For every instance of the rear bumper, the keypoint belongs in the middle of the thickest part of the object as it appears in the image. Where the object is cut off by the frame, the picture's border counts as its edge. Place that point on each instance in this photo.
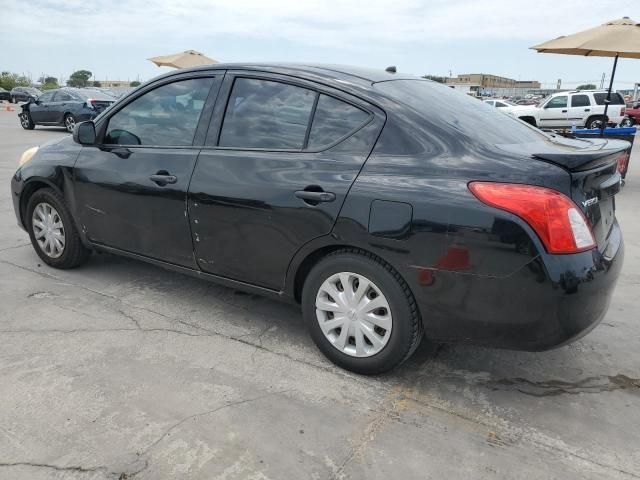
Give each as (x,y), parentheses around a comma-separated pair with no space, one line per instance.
(552,301)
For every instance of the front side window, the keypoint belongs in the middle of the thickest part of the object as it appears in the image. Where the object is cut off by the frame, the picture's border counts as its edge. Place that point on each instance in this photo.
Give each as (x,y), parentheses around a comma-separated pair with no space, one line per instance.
(580,101)
(165,116)
(46,97)
(557,102)
(333,120)
(266,114)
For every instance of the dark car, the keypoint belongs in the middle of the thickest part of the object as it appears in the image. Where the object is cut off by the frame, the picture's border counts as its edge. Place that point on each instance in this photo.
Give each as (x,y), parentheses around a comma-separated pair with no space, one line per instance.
(24,94)
(5,95)
(389,206)
(64,107)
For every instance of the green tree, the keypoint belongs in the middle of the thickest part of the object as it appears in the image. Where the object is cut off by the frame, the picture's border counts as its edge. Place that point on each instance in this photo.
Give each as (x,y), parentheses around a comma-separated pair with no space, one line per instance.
(79,78)
(9,80)
(586,86)
(135,83)
(48,82)
(435,78)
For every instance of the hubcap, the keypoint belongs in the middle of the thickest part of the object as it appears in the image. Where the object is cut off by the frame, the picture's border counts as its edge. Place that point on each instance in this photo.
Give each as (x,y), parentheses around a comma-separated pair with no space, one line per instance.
(48,230)
(353,314)
(24,120)
(70,123)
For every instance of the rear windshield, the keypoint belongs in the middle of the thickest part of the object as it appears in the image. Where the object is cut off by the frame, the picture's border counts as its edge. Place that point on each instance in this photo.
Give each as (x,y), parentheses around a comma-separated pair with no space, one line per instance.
(470,117)
(616,98)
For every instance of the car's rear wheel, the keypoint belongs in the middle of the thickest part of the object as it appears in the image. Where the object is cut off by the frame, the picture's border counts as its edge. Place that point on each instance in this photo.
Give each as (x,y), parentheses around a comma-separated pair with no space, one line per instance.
(52,232)
(360,312)
(595,122)
(69,122)
(26,121)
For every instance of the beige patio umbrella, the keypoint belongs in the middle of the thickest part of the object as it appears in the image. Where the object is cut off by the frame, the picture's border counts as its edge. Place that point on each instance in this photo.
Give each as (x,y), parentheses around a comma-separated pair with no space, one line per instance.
(617,38)
(186,59)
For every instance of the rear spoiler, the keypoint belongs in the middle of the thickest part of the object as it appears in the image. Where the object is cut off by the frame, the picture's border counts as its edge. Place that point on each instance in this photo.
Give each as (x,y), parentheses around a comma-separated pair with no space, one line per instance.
(588,158)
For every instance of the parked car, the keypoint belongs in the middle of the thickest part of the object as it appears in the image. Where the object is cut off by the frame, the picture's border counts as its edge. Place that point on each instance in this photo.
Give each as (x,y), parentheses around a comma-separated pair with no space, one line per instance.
(582,108)
(499,103)
(632,115)
(64,107)
(24,94)
(5,95)
(388,206)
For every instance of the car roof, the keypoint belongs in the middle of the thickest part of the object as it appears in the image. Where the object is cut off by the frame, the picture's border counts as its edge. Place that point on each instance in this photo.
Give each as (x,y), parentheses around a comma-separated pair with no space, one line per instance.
(345,73)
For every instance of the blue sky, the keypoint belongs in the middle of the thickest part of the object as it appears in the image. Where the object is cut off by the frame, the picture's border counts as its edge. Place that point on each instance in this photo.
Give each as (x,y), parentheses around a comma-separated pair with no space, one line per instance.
(113,38)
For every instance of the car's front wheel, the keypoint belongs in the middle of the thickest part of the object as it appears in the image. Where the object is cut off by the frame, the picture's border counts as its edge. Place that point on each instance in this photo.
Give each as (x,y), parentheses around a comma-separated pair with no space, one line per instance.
(26,121)
(52,232)
(360,312)
(628,122)
(69,122)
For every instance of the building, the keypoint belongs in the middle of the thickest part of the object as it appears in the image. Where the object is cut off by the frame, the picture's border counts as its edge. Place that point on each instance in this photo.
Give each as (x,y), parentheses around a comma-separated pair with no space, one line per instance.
(113,83)
(486,84)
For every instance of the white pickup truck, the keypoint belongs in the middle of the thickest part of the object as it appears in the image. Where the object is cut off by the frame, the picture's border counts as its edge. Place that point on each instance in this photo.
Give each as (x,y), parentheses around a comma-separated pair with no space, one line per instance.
(582,108)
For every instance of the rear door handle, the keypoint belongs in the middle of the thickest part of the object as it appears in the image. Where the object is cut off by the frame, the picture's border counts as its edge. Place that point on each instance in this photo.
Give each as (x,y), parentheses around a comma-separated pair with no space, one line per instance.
(587,109)
(315,197)
(163,179)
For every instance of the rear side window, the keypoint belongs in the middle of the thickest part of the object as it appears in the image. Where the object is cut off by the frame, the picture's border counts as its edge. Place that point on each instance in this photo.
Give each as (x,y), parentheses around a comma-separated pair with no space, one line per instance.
(616,98)
(165,116)
(580,101)
(333,120)
(63,97)
(266,114)
(557,102)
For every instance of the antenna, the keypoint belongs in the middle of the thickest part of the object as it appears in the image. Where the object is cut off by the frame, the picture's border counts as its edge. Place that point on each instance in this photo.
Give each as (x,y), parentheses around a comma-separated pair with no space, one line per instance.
(391,69)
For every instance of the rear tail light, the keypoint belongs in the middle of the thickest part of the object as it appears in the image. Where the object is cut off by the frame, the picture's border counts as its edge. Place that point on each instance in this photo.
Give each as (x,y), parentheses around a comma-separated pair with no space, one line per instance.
(622,162)
(552,215)
(622,110)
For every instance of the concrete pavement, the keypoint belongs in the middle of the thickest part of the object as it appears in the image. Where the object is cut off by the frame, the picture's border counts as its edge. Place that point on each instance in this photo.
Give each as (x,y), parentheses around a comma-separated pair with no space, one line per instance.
(121,370)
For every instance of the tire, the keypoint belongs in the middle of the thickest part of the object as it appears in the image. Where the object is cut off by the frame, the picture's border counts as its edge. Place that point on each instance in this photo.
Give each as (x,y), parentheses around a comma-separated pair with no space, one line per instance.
(530,120)
(393,345)
(73,253)
(26,122)
(628,122)
(595,122)
(69,122)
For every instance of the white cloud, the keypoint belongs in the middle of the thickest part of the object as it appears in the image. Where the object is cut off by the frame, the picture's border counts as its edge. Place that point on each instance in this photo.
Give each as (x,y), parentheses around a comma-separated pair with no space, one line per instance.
(345,23)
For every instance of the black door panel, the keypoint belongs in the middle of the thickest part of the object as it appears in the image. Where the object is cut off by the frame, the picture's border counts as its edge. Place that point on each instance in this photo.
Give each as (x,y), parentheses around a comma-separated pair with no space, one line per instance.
(121,206)
(247,220)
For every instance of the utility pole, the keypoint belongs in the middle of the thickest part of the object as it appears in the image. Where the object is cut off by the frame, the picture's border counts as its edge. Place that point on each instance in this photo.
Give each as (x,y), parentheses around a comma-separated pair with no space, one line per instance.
(602,81)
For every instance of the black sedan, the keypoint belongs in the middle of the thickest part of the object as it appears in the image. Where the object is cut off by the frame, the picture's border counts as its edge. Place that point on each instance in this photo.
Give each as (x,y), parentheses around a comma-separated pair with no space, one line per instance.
(390,207)
(64,107)
(5,95)
(24,94)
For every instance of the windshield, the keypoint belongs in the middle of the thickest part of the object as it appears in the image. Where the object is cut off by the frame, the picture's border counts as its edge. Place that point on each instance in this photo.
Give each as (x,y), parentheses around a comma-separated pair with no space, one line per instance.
(470,117)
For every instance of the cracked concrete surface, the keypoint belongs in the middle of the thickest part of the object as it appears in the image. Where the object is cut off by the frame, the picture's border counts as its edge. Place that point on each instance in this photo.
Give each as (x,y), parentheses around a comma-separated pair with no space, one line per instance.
(120,370)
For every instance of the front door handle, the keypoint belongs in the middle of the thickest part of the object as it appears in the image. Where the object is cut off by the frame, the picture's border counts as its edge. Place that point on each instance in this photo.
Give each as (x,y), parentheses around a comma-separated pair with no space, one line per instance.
(315,197)
(163,178)
(587,109)
(564,111)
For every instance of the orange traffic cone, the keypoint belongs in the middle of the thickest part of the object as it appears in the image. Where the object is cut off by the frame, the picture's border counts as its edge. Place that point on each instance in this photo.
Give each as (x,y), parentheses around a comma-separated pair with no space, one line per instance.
(8,108)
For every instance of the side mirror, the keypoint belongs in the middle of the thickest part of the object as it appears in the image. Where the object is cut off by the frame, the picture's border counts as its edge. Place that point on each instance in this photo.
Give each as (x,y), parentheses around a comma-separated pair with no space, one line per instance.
(85,133)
